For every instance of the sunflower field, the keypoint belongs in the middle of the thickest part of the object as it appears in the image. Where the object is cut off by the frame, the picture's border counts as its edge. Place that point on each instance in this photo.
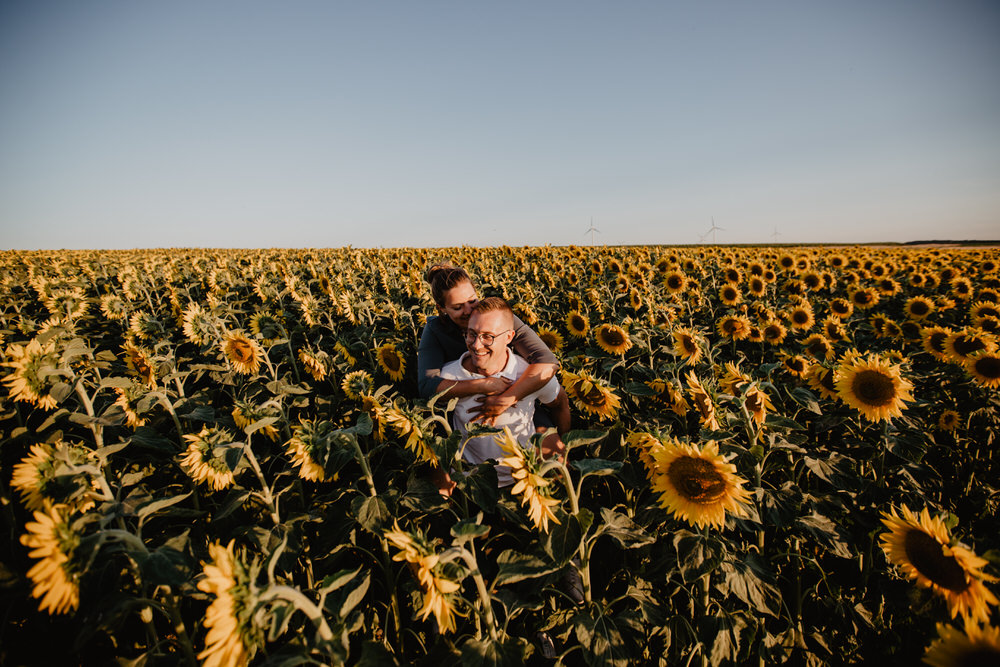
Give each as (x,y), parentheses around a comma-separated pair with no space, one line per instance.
(779,455)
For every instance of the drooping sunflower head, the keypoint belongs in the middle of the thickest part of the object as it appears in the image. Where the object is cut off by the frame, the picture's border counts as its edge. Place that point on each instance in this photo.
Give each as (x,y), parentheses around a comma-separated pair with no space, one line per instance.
(612,338)
(821,380)
(243,353)
(703,402)
(922,548)
(357,384)
(310,446)
(199,326)
(391,361)
(697,484)
(591,395)
(552,339)
(315,363)
(57,473)
(874,387)
(130,401)
(56,575)
(36,373)
(268,327)
(734,379)
(534,489)
(977,646)
(205,458)
(246,414)
(232,637)
(114,308)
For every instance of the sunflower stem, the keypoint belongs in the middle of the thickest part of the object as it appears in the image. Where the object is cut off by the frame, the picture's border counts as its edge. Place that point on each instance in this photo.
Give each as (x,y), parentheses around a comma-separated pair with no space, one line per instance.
(170,604)
(268,496)
(485,599)
(89,407)
(303,604)
(295,366)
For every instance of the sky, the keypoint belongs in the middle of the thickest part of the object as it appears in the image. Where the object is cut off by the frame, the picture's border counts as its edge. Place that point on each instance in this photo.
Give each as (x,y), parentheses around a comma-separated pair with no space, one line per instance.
(250,124)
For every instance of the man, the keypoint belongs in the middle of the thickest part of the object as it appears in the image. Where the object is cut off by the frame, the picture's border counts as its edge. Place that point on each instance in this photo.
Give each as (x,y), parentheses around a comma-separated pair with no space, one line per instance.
(488,336)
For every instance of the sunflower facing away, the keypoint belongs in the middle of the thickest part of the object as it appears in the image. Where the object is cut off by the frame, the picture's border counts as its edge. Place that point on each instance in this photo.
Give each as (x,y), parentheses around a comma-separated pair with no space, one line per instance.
(874,387)
(314,363)
(591,395)
(703,402)
(532,487)
(921,547)
(391,361)
(949,420)
(552,339)
(357,384)
(52,541)
(612,338)
(245,414)
(199,326)
(439,580)
(407,425)
(646,444)
(697,484)
(231,638)
(34,373)
(140,363)
(978,645)
(308,447)
(243,353)
(669,395)
(203,463)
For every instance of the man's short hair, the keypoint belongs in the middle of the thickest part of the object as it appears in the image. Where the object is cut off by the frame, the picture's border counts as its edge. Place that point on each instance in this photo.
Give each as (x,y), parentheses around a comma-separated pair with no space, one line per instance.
(492,303)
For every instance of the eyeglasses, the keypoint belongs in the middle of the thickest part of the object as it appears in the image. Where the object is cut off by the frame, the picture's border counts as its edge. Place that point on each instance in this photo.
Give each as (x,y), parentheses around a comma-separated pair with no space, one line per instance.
(485,338)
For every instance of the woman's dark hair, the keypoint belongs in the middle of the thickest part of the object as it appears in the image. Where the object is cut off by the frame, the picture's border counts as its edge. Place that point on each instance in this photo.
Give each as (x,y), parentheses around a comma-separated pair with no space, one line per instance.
(443,277)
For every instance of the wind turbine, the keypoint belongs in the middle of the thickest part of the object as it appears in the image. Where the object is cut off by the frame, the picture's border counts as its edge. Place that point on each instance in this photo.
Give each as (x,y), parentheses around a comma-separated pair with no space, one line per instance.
(591,231)
(713,229)
(775,235)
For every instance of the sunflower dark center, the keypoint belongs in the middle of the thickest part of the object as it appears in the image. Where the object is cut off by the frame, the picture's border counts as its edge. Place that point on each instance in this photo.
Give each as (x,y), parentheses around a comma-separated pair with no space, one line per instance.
(873,388)
(391,360)
(577,323)
(919,308)
(988,367)
(697,480)
(612,337)
(929,559)
(729,294)
(675,282)
(966,345)
(594,397)
(800,317)
(937,340)
(241,350)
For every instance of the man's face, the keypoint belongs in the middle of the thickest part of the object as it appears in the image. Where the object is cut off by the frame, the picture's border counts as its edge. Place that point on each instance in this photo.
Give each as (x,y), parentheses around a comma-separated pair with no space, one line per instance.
(494,323)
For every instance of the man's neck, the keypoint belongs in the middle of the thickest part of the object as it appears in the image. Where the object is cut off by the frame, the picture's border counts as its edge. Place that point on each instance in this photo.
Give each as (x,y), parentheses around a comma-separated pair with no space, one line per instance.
(467,364)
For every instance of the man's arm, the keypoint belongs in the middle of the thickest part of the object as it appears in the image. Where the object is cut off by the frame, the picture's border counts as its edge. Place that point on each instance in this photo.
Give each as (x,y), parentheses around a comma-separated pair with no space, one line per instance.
(431,359)
(534,378)
(553,445)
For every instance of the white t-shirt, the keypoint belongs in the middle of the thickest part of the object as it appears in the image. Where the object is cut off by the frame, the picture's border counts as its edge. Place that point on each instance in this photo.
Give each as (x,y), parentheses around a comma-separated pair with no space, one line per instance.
(518,417)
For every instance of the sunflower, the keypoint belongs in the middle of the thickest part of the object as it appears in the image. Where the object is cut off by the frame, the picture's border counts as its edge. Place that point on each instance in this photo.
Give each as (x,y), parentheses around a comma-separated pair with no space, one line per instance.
(686,345)
(874,387)
(113,308)
(635,298)
(391,361)
(407,425)
(591,395)
(552,339)
(734,327)
(984,367)
(36,373)
(918,307)
(56,576)
(757,286)
(199,327)
(794,364)
(314,363)
(703,402)
(532,487)
(757,403)
(246,414)
(345,354)
(774,332)
(821,380)
(730,294)
(309,446)
(577,324)
(961,288)
(357,384)
(863,297)
(697,484)
(613,339)
(949,420)
(675,282)
(962,344)
(734,379)
(669,395)
(268,327)
(51,474)
(244,353)
(645,444)
(204,460)
(933,341)
(231,637)
(953,648)
(801,316)
(842,308)
(438,579)
(128,400)
(144,326)
(922,548)
(818,347)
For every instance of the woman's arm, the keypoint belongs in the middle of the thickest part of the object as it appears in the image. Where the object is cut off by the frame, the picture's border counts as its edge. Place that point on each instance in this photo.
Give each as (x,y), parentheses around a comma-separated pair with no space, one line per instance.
(433,352)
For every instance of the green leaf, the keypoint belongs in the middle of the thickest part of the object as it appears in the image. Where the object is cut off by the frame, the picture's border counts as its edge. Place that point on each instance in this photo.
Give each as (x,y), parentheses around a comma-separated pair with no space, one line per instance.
(150,508)
(603,638)
(356,595)
(234,500)
(487,653)
(232,454)
(639,389)
(259,424)
(469,529)
(597,466)
(777,421)
(280,387)
(581,438)
(514,566)
(622,529)
(563,539)
(372,513)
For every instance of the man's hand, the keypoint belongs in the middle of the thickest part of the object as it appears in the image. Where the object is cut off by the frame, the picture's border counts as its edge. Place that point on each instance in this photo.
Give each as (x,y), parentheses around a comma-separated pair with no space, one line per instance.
(491,407)
(495,384)
(443,481)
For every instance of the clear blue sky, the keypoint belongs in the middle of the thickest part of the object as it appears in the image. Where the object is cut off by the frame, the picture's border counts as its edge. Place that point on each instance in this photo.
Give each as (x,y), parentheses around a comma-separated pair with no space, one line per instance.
(227,123)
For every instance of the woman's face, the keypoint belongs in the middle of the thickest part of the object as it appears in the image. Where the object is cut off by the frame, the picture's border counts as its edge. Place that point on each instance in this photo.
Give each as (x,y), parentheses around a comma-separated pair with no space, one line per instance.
(459,302)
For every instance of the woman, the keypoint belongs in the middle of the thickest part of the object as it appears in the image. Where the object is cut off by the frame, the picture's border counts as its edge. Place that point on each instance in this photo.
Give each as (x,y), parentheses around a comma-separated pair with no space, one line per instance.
(443,340)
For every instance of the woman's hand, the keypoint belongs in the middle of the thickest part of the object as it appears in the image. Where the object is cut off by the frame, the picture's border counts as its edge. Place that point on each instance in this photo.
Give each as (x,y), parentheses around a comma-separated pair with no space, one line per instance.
(491,407)
(495,385)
